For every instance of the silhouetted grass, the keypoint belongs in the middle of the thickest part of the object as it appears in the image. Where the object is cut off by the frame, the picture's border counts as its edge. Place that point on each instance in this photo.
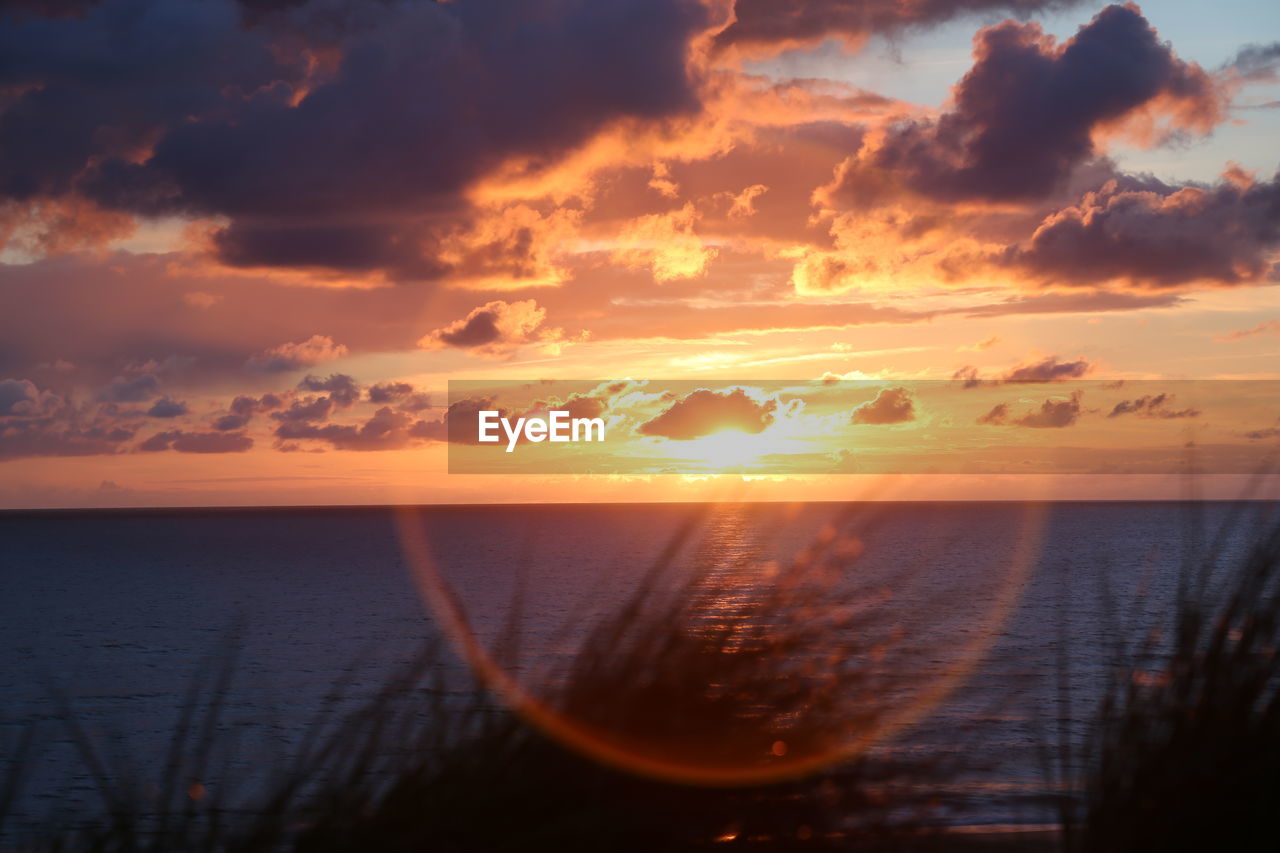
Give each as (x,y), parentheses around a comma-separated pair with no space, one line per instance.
(1185,749)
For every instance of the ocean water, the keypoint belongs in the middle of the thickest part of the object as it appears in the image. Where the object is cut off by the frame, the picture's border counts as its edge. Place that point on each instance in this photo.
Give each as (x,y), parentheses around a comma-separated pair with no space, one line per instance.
(1004,608)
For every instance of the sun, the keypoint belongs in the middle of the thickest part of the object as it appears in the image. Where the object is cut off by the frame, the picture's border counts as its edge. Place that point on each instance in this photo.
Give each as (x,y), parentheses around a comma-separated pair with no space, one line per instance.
(726,449)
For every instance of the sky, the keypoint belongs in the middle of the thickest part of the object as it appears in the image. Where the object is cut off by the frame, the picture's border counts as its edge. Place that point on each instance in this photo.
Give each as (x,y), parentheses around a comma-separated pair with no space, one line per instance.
(246,247)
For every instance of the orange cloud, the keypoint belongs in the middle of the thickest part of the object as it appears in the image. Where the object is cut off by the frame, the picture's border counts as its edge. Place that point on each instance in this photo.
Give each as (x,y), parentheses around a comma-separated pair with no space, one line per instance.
(704,412)
(317,349)
(495,329)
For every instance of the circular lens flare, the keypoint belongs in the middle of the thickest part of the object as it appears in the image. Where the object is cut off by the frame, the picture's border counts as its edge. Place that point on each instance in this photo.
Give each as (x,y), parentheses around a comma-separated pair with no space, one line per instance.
(744,671)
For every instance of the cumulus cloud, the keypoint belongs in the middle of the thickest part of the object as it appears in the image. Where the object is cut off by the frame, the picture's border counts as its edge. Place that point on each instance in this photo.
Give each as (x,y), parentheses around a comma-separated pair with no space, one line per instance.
(232,113)
(664,243)
(341,388)
(1049,369)
(891,406)
(308,410)
(243,408)
(1153,406)
(494,329)
(1054,413)
(704,412)
(317,349)
(389,392)
(166,408)
(61,439)
(387,429)
(1151,235)
(197,442)
(1026,114)
(20,398)
(135,390)
(37,422)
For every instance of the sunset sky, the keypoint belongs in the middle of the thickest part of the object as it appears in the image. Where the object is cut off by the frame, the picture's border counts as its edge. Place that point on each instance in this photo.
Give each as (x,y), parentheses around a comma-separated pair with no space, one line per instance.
(247,245)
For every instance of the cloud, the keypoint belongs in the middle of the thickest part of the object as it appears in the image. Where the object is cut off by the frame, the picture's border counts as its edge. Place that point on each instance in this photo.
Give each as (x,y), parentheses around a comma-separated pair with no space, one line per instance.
(166,408)
(389,392)
(460,423)
(704,412)
(317,349)
(387,429)
(771,24)
(891,406)
(20,398)
(197,442)
(341,388)
(1261,434)
(1026,114)
(308,410)
(135,390)
(494,329)
(1153,236)
(1153,406)
(1266,327)
(243,408)
(200,299)
(1049,369)
(981,346)
(233,113)
(1054,413)
(36,422)
(1257,62)
(664,243)
(61,439)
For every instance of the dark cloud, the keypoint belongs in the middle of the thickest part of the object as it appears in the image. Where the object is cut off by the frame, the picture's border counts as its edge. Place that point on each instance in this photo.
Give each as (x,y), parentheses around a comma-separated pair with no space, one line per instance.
(1054,413)
(495,328)
(891,406)
(342,389)
(769,22)
(243,408)
(135,390)
(704,412)
(245,405)
(61,439)
(387,429)
(197,442)
(338,135)
(1257,62)
(230,423)
(1153,406)
(1151,235)
(20,398)
(1050,369)
(310,410)
(1025,114)
(389,392)
(37,422)
(166,408)
(460,423)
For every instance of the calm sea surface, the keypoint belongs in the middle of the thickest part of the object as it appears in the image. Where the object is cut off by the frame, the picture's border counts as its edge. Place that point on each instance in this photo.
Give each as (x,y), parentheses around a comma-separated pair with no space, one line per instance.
(120,611)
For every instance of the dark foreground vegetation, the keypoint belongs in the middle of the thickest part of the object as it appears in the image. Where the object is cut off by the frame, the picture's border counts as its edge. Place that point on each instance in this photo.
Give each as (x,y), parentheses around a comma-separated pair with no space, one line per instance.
(687,704)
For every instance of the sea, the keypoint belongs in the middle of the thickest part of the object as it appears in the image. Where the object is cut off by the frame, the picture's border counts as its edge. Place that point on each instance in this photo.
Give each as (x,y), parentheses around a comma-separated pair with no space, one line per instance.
(1005,621)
